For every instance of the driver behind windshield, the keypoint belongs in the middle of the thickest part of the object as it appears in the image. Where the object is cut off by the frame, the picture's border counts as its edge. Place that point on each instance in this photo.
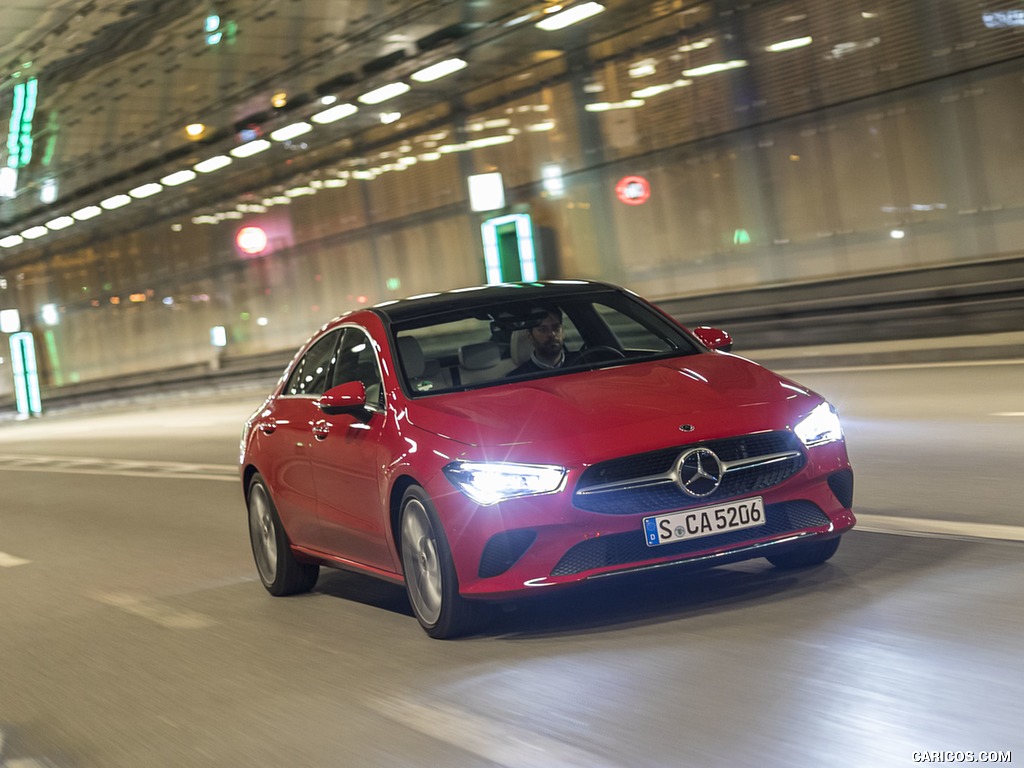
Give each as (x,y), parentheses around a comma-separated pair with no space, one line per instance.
(548,344)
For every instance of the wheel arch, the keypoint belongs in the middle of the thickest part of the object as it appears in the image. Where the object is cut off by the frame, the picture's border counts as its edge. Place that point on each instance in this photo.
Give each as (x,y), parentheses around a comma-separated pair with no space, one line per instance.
(398,488)
(247,475)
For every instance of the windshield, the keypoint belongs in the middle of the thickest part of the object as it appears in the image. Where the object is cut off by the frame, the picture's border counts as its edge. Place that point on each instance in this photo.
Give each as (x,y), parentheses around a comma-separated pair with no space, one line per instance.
(488,345)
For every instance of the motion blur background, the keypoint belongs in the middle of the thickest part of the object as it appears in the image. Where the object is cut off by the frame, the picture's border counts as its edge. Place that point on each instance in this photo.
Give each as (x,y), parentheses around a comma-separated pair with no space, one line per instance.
(189,188)
(193,186)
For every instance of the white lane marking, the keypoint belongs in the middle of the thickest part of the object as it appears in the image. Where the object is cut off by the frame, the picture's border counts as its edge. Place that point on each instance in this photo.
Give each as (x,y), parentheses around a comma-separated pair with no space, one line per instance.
(1009,413)
(498,742)
(158,614)
(767,361)
(9,561)
(21,762)
(912,526)
(119,467)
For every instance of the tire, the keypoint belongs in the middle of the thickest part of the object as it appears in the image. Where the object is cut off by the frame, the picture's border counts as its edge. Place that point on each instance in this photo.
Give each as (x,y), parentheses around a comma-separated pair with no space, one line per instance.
(815,553)
(279,571)
(430,578)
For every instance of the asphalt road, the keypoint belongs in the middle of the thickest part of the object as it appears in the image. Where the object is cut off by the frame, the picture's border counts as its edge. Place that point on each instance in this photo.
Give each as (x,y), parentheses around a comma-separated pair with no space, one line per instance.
(133,630)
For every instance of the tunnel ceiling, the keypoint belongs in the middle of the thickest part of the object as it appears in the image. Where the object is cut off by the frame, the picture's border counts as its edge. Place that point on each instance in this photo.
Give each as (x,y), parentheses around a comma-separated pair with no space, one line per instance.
(117,81)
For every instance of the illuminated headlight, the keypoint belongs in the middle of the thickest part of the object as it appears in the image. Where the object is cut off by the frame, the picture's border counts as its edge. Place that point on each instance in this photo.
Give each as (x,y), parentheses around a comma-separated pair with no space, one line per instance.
(488,483)
(819,426)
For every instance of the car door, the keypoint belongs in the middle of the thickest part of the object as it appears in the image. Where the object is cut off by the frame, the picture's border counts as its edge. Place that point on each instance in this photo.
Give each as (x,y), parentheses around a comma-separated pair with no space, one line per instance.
(346,456)
(286,435)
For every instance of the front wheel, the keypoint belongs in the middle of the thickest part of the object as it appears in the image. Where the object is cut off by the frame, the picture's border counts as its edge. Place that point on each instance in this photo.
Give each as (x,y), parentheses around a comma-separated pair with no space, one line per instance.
(430,576)
(279,571)
(814,553)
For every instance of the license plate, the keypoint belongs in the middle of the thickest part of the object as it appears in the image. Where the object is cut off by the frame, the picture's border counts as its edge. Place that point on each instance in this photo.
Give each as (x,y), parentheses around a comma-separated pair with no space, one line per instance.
(704,521)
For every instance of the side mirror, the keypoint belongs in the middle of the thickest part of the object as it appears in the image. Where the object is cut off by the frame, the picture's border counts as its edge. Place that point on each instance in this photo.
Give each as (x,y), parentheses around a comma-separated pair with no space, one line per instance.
(349,397)
(713,338)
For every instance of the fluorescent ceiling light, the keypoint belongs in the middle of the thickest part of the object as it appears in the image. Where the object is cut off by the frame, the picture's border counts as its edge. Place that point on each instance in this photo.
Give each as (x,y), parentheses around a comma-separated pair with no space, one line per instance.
(385,92)
(710,69)
(788,45)
(489,141)
(655,90)
(519,19)
(291,131)
(146,190)
(33,232)
(61,222)
(89,212)
(212,164)
(11,240)
(335,113)
(115,202)
(178,177)
(605,106)
(643,68)
(570,16)
(251,148)
(696,45)
(439,70)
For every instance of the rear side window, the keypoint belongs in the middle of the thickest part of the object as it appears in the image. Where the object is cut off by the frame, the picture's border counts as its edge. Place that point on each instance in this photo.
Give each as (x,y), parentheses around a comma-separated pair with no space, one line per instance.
(310,374)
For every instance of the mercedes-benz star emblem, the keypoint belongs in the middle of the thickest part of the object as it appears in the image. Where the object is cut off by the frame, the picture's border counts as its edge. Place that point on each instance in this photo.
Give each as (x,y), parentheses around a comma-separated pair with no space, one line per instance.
(700,472)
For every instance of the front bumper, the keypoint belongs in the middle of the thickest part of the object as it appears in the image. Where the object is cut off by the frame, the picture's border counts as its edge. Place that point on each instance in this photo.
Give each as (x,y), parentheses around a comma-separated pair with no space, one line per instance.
(522,545)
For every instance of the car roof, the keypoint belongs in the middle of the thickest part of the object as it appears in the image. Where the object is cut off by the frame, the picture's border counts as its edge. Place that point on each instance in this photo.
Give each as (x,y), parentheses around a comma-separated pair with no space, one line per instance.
(428,304)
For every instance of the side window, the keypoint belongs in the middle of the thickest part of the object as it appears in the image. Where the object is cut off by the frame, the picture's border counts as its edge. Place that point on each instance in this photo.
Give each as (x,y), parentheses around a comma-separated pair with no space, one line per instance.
(358,362)
(310,375)
(630,333)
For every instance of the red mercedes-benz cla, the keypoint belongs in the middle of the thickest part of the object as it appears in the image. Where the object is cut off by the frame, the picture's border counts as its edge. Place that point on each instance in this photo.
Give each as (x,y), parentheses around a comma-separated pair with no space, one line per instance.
(490,442)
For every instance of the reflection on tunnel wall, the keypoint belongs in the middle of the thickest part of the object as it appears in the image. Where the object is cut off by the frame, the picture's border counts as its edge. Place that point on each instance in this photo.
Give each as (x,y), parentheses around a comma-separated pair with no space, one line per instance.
(799,165)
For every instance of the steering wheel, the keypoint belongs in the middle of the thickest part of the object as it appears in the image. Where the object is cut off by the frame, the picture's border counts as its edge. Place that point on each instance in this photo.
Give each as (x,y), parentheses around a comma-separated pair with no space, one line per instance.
(599,353)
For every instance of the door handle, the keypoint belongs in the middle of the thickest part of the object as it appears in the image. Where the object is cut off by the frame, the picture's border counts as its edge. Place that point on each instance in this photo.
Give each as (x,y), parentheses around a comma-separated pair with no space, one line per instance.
(321,429)
(267,427)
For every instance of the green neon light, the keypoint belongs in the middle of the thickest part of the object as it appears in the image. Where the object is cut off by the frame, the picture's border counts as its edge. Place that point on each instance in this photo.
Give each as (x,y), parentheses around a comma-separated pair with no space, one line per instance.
(31,96)
(26,377)
(17,108)
(51,348)
(52,128)
(19,135)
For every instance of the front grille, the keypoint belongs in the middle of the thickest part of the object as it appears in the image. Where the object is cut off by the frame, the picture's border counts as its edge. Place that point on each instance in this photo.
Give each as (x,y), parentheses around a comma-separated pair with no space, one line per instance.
(665,494)
(623,548)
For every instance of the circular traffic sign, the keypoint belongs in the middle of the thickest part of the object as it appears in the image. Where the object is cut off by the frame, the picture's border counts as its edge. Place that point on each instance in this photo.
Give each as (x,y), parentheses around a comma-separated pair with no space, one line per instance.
(633,190)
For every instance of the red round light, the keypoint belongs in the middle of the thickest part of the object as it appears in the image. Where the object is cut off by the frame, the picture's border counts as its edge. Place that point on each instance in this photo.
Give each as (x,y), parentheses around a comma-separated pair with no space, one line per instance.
(633,190)
(251,240)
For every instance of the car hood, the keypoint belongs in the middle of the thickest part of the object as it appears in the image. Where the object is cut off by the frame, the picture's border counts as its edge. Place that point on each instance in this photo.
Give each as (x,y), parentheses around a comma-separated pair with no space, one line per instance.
(621,409)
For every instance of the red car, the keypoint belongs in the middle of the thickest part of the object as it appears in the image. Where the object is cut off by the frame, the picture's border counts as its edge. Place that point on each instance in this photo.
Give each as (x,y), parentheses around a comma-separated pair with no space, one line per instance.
(487,443)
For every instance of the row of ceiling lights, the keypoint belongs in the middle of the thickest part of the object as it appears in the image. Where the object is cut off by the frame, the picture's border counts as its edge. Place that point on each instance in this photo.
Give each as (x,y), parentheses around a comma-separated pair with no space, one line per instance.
(556,18)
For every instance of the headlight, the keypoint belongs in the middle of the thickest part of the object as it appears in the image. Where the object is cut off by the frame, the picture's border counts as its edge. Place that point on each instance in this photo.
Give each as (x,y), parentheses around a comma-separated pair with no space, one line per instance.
(819,426)
(488,483)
